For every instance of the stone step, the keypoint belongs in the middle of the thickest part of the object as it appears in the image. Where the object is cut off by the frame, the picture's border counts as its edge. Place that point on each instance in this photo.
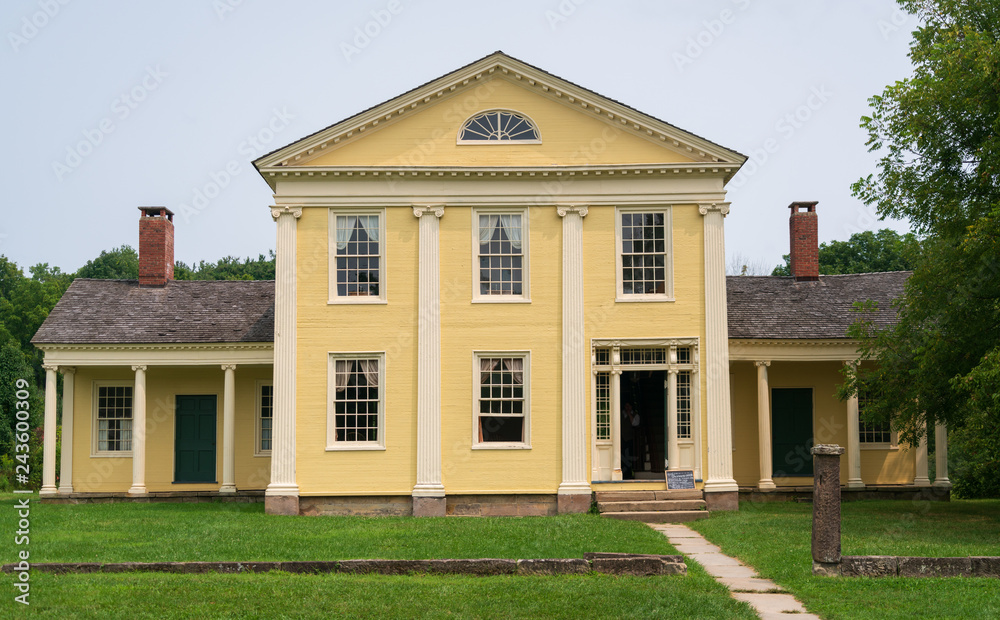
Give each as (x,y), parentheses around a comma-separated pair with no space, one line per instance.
(645,496)
(652,506)
(666,516)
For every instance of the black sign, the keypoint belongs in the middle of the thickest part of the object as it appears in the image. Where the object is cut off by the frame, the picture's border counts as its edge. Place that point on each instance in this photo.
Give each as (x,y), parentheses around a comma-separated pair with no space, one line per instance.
(680,479)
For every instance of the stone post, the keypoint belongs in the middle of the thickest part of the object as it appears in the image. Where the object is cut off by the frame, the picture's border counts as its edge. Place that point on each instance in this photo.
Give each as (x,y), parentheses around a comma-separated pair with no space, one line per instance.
(826,509)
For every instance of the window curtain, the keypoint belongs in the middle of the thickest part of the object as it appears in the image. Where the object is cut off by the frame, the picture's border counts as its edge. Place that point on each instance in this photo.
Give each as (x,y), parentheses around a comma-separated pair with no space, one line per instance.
(344,233)
(516,366)
(485,366)
(511,224)
(340,375)
(370,370)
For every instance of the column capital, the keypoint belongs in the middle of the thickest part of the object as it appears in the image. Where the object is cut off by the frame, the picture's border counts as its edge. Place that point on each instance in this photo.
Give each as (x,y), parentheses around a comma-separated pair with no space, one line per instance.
(229,366)
(564,210)
(709,207)
(277,212)
(67,370)
(421,210)
(672,371)
(139,367)
(759,363)
(52,367)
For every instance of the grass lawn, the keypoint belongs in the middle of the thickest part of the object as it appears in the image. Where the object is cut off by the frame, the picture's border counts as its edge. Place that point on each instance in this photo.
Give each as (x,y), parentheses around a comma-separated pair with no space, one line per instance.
(775,539)
(232,532)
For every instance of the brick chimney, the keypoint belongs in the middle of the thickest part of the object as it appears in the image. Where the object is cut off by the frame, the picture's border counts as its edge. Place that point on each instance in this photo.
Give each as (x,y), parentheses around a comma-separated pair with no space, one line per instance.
(156,246)
(804,241)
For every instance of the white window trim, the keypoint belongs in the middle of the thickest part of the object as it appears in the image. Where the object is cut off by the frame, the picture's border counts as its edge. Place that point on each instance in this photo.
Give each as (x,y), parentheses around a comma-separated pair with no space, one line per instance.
(458,134)
(668,259)
(94,451)
(257,451)
(332,445)
(892,444)
(334,298)
(525,296)
(494,445)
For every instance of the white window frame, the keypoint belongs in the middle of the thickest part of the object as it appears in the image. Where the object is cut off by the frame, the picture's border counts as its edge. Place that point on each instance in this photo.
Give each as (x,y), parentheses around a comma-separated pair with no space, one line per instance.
(334,297)
(258,436)
(331,414)
(668,261)
(892,444)
(526,370)
(477,296)
(458,135)
(95,425)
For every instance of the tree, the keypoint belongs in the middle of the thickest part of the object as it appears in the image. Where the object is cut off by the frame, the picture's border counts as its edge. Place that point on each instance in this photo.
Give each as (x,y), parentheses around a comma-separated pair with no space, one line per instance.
(938,136)
(118,264)
(864,252)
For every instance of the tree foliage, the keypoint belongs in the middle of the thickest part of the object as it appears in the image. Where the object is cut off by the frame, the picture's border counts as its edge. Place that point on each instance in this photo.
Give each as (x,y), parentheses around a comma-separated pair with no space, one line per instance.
(864,252)
(938,136)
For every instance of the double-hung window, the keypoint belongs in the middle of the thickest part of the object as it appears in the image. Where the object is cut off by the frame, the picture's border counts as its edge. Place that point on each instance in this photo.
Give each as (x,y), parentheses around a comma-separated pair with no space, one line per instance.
(500,264)
(643,254)
(357,257)
(113,419)
(356,407)
(502,406)
(873,434)
(265,418)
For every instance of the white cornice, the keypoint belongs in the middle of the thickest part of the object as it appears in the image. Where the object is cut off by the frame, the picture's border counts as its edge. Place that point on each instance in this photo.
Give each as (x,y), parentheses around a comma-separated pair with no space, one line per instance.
(792,350)
(182,354)
(473,76)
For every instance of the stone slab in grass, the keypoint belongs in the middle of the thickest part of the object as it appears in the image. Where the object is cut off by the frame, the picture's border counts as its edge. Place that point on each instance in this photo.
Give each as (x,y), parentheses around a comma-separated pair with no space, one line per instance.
(310,567)
(666,558)
(935,567)
(482,567)
(869,566)
(638,566)
(985,566)
(565,566)
(383,567)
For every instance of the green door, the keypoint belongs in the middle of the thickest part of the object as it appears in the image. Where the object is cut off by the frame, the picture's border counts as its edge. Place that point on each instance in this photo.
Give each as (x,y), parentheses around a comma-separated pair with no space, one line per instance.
(194,449)
(791,431)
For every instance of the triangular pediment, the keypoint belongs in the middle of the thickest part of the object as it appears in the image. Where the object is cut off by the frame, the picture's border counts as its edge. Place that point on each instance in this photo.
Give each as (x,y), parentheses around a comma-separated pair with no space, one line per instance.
(577,128)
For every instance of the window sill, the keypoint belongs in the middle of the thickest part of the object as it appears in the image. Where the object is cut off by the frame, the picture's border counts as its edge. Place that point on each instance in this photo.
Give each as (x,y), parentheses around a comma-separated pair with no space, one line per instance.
(643,298)
(501,299)
(359,447)
(501,446)
(111,455)
(878,446)
(265,455)
(360,301)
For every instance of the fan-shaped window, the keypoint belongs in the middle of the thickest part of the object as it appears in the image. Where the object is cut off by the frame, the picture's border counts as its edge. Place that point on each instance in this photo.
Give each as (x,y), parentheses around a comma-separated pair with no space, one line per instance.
(498,126)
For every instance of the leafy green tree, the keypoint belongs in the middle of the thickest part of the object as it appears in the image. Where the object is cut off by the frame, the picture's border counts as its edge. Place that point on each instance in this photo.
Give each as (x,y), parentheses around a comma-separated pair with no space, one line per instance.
(117,264)
(14,366)
(938,136)
(228,268)
(864,252)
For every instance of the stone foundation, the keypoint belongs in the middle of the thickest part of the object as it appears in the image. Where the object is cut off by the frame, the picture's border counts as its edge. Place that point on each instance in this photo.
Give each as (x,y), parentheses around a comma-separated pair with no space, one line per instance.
(723,500)
(573,504)
(281,504)
(880,492)
(429,506)
(362,506)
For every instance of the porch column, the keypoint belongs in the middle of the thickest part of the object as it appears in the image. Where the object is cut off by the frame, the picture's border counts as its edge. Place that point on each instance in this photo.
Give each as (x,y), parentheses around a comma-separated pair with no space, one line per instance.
(574,491)
(229,430)
(920,478)
(49,430)
(941,456)
(428,494)
(139,432)
(282,493)
(854,480)
(616,419)
(721,491)
(673,451)
(764,426)
(66,460)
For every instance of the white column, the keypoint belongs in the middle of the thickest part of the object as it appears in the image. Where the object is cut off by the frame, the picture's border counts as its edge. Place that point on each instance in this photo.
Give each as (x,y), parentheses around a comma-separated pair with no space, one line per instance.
(281,495)
(673,451)
(854,480)
(429,480)
(229,430)
(66,460)
(941,456)
(716,359)
(616,419)
(49,437)
(764,426)
(920,478)
(139,432)
(574,365)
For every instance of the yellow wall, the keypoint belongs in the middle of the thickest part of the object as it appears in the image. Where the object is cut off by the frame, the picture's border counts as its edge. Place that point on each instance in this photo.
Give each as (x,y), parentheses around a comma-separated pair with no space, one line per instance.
(427,136)
(878,466)
(163,384)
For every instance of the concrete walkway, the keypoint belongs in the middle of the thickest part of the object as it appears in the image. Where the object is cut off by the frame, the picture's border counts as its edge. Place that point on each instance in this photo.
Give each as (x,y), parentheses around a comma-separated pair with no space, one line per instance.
(766,597)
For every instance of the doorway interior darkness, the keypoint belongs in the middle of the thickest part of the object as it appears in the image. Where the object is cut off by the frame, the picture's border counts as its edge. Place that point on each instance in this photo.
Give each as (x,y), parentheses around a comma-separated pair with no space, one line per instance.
(643,443)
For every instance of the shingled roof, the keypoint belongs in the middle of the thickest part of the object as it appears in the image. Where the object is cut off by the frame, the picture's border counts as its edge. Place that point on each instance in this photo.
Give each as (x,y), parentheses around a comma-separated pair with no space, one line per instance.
(774,308)
(119,312)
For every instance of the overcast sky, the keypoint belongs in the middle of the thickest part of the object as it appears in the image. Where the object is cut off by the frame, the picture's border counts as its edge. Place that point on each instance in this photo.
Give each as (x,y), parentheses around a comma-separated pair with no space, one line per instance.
(111,105)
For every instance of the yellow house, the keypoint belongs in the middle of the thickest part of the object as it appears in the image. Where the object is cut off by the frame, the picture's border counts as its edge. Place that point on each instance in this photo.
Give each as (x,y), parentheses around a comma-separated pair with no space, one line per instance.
(497,293)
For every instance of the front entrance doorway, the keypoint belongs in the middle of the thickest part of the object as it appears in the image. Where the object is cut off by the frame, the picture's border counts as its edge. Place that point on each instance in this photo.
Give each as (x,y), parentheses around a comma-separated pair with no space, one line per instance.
(643,424)
(194,439)
(792,431)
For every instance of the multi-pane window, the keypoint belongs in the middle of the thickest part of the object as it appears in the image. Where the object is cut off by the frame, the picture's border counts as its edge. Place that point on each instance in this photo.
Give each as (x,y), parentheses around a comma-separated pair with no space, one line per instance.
(356,407)
(501,407)
(642,253)
(114,418)
(498,126)
(357,264)
(602,382)
(265,417)
(644,355)
(872,432)
(501,264)
(683,404)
